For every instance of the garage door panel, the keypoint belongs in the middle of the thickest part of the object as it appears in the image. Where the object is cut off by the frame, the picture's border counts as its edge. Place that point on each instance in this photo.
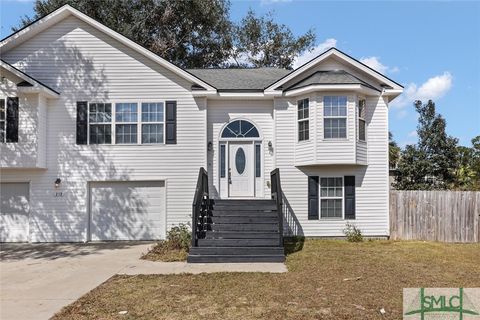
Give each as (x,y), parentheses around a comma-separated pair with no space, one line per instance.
(14,209)
(127,210)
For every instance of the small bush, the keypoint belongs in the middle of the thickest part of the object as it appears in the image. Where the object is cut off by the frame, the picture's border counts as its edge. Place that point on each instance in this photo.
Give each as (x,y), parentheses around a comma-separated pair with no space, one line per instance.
(179,237)
(353,233)
(174,248)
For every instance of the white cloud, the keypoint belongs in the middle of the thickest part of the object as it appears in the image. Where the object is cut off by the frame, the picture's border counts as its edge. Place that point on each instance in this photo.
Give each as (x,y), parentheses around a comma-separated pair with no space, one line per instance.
(412,133)
(374,63)
(434,88)
(310,54)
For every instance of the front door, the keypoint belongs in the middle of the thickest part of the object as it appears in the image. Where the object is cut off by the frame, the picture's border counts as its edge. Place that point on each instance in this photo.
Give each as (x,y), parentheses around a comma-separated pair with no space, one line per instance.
(241,170)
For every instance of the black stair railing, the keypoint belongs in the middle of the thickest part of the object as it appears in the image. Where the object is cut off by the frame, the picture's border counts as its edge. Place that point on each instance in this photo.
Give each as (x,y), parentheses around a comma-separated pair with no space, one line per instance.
(200,208)
(277,195)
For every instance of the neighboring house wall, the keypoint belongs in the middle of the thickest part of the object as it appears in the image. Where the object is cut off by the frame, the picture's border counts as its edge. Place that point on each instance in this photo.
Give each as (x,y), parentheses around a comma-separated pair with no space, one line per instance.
(85,64)
(371,181)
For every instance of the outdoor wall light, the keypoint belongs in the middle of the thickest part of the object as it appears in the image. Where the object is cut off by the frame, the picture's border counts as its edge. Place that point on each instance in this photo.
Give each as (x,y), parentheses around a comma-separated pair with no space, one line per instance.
(209,146)
(270,145)
(57,182)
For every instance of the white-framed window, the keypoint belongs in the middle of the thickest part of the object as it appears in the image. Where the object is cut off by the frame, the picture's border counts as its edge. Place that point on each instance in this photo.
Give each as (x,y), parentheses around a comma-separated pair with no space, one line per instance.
(153,122)
(331,197)
(303,119)
(3,121)
(335,117)
(362,126)
(126,123)
(100,123)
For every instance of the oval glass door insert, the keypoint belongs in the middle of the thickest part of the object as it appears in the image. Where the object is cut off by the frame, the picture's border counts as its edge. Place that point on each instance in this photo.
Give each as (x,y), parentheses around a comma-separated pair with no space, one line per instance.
(240,160)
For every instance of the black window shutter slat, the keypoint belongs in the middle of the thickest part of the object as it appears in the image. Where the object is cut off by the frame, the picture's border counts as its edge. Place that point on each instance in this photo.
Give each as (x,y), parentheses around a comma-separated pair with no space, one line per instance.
(349,182)
(82,122)
(312,198)
(171,122)
(12,119)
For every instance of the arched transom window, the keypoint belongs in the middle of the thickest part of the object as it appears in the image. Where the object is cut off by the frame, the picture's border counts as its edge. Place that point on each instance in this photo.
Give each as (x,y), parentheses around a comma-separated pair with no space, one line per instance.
(240,129)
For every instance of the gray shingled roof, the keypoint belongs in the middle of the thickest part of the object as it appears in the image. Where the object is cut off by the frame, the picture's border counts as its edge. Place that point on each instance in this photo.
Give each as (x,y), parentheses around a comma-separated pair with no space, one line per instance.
(329,77)
(240,79)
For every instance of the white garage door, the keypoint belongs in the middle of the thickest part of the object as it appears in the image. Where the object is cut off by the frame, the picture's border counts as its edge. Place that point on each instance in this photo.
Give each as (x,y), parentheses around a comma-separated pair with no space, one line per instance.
(14,210)
(133,210)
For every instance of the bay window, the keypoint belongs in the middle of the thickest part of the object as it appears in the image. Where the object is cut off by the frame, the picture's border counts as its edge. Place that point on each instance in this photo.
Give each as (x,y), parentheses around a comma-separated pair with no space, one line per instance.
(303,122)
(335,117)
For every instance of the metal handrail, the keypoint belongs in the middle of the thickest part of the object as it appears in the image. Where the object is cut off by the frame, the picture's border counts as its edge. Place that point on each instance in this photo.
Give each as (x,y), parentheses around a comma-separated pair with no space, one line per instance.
(200,207)
(277,195)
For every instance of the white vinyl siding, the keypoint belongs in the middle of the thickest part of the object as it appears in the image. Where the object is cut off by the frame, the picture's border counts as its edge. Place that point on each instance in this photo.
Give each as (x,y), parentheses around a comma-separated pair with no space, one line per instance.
(86,65)
(371,181)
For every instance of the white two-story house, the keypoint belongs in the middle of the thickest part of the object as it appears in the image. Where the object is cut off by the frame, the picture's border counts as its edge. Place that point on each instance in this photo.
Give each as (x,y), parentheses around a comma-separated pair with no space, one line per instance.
(101,139)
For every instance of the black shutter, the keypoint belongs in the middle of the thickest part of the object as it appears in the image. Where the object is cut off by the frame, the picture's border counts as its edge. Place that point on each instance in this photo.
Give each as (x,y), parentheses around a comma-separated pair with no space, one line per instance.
(82,122)
(171,122)
(12,120)
(349,182)
(312,198)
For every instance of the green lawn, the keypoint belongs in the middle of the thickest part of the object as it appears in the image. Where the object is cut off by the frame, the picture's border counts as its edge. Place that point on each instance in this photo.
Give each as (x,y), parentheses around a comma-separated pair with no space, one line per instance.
(314,288)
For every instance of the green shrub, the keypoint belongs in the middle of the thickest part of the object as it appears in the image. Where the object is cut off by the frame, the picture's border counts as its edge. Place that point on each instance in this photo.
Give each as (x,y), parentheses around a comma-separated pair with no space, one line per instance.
(353,233)
(179,237)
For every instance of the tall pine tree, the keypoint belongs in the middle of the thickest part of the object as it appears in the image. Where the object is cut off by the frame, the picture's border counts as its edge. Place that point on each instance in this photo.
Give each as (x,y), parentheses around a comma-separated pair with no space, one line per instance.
(432,163)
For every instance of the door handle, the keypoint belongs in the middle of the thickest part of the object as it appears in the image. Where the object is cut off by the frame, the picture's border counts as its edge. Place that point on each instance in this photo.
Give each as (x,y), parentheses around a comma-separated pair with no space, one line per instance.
(229,176)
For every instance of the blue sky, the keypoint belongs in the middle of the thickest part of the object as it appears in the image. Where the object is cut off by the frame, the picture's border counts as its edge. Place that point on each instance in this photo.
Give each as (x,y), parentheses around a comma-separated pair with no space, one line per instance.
(432,48)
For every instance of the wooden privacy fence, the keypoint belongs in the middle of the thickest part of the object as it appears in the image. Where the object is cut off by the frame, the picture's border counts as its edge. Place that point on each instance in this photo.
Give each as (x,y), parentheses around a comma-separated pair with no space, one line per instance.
(449,216)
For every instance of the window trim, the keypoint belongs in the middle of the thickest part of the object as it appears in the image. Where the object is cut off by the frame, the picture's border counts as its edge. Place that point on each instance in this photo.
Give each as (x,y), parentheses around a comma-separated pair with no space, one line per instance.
(112,126)
(139,122)
(359,118)
(320,198)
(4,99)
(335,117)
(303,120)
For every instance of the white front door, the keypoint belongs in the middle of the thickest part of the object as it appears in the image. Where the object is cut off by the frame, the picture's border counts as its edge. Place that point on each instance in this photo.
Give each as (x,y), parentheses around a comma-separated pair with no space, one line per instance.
(241,170)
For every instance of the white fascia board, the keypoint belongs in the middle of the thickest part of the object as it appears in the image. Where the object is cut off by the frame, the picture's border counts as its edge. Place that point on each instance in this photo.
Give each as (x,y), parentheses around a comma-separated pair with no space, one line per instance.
(324,56)
(66,10)
(332,87)
(240,95)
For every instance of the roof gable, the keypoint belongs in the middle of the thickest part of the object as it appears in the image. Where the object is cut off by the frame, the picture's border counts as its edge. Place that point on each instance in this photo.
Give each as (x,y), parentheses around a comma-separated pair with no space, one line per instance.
(333,52)
(28,81)
(61,13)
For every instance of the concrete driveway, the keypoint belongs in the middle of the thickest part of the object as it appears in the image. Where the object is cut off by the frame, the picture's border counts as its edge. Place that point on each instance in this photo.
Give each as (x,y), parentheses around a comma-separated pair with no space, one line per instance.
(37,280)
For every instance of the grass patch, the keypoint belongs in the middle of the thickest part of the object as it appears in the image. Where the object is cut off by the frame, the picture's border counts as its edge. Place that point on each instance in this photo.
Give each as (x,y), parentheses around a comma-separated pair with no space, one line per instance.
(314,288)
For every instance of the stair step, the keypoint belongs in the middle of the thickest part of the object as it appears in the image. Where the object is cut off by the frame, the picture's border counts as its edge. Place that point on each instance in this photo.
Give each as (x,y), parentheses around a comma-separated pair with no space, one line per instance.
(245,227)
(246,207)
(242,235)
(243,201)
(219,213)
(235,258)
(236,251)
(237,242)
(242,219)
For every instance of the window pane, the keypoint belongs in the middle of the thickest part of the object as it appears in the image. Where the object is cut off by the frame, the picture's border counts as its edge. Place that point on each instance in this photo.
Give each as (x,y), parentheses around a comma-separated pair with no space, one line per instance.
(100,134)
(152,133)
(258,164)
(126,112)
(125,133)
(222,161)
(361,130)
(152,112)
(100,112)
